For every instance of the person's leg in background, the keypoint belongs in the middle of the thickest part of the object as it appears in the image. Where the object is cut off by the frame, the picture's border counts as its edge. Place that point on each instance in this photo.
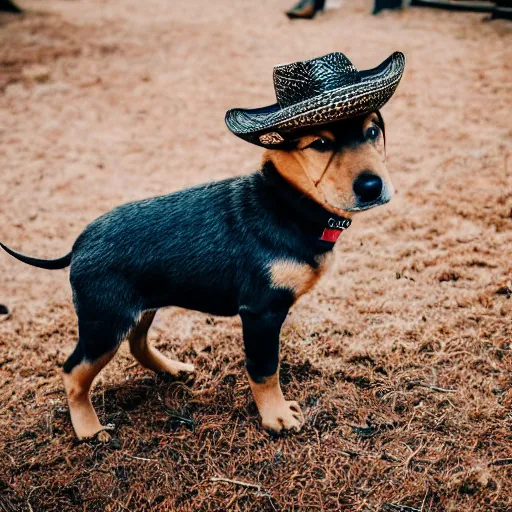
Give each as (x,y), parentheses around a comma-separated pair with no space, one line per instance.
(306,9)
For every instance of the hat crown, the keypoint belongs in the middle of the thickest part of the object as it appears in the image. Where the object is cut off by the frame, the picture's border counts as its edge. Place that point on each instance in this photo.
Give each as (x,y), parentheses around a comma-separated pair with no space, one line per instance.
(303,80)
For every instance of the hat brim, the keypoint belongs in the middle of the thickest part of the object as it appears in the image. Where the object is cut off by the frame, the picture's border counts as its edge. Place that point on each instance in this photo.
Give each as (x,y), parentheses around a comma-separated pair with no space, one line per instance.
(376,87)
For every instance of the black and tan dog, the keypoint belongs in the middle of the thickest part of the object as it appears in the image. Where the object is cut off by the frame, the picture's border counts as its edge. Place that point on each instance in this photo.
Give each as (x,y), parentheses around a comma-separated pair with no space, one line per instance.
(250,245)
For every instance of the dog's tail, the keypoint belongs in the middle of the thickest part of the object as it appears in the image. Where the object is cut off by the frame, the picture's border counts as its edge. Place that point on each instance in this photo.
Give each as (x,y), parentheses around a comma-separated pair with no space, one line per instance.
(36,262)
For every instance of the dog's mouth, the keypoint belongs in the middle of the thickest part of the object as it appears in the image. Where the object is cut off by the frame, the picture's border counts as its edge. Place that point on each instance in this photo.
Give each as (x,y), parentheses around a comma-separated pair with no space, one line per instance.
(385,196)
(361,207)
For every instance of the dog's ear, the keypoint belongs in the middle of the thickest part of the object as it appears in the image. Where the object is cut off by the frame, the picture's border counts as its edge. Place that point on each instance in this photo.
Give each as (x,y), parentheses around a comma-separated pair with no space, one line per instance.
(381,125)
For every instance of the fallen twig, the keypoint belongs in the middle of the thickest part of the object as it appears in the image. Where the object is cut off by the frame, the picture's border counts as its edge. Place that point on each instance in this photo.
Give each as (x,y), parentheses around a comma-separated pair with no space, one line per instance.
(382,456)
(140,458)
(409,459)
(236,482)
(501,462)
(424,501)
(414,383)
(389,458)
(396,507)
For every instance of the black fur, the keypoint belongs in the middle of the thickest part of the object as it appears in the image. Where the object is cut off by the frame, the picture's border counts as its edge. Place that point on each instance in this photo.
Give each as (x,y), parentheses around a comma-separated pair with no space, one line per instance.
(208,248)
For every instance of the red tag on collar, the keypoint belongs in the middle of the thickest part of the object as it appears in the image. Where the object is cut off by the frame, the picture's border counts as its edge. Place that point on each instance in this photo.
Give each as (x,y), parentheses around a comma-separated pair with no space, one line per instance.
(331,235)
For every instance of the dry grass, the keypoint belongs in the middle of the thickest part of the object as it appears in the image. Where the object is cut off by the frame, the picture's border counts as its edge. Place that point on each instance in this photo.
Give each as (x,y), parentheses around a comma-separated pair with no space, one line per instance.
(401,357)
(424,424)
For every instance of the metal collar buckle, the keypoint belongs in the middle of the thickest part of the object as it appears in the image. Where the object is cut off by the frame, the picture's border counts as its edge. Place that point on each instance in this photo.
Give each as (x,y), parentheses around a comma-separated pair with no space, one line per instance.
(341,223)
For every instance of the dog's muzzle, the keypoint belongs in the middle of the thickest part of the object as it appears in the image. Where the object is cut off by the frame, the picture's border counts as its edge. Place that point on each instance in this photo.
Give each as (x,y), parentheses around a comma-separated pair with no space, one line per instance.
(370,191)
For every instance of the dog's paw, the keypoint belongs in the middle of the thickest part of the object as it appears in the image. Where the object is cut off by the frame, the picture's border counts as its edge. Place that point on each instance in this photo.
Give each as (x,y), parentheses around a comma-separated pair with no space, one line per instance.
(176,368)
(101,435)
(186,368)
(286,416)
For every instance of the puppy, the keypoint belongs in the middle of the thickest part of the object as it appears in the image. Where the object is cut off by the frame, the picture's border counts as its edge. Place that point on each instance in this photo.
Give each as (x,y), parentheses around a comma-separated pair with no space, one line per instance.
(250,245)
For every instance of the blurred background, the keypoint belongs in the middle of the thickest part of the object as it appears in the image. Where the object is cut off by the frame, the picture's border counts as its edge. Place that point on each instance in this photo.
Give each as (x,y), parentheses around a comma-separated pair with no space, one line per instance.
(401,356)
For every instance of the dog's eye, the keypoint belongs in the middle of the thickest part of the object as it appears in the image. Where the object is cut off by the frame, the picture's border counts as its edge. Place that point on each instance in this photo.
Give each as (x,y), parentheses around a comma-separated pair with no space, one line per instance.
(372,133)
(321,144)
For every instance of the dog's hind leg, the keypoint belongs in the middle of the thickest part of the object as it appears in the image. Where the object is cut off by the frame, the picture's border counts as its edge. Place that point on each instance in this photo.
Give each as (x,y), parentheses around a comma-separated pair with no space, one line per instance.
(149,356)
(98,342)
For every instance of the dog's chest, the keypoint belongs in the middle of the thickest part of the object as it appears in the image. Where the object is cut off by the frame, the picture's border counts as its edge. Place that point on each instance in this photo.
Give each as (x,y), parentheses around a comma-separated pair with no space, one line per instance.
(298,277)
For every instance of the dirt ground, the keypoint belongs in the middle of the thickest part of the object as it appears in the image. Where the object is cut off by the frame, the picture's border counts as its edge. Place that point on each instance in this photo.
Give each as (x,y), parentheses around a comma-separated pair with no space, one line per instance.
(402,355)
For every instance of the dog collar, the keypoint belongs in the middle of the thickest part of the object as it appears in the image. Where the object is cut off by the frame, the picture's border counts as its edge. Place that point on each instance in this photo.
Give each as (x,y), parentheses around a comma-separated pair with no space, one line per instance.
(334,229)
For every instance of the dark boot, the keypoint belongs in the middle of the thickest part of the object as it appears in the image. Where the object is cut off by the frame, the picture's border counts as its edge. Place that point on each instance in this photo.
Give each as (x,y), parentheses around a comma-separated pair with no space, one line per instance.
(306,9)
(380,5)
(9,6)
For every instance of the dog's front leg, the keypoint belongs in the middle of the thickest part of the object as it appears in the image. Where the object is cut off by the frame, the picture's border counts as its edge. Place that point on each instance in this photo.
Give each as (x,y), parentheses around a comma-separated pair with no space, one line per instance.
(261,340)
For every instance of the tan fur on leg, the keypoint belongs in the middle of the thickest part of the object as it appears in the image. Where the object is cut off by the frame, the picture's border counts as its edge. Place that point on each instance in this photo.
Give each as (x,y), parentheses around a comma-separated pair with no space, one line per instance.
(78,384)
(276,413)
(150,357)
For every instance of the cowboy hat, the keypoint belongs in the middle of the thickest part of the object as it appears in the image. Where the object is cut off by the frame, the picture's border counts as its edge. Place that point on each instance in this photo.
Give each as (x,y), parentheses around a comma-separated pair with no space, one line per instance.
(317,91)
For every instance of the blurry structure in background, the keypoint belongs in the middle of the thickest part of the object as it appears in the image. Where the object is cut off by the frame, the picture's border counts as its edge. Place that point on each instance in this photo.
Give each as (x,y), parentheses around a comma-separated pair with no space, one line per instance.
(8,6)
(308,9)
(496,8)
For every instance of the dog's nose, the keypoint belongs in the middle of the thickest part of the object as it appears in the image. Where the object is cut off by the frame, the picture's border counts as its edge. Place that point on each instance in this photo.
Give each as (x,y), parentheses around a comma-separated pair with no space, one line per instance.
(367,187)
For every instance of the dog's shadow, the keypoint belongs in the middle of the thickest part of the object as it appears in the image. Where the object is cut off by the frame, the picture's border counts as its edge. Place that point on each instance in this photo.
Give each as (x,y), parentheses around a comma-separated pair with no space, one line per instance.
(160,400)
(164,404)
